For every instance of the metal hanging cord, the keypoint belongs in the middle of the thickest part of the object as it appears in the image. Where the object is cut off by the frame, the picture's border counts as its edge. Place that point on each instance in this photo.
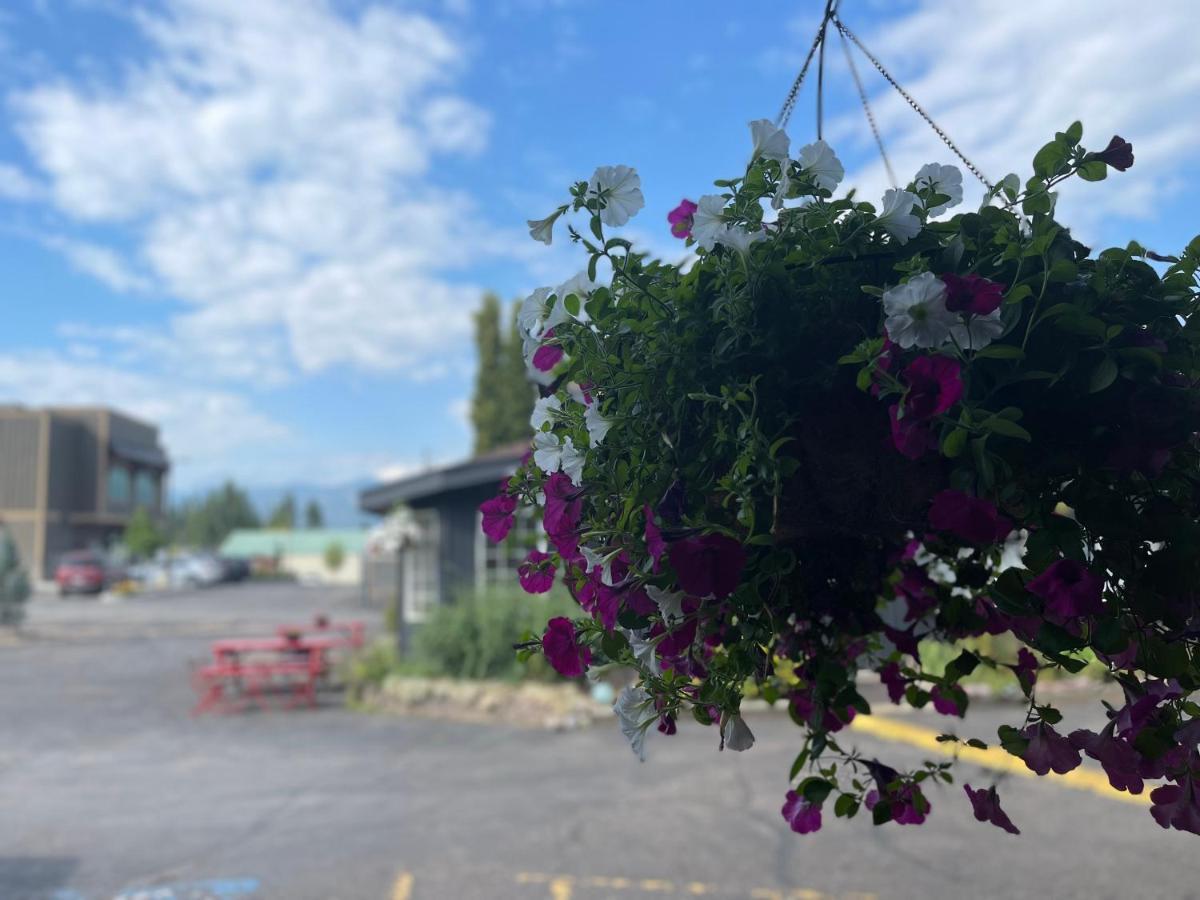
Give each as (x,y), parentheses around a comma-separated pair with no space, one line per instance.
(818,49)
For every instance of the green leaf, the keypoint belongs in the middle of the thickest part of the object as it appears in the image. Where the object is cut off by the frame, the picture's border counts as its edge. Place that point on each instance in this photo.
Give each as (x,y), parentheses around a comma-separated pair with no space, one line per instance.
(976,743)
(1000,351)
(1019,293)
(1062,270)
(1006,428)
(801,759)
(954,443)
(846,806)
(815,790)
(1074,132)
(1093,170)
(882,812)
(961,666)
(1048,160)
(597,228)
(1103,375)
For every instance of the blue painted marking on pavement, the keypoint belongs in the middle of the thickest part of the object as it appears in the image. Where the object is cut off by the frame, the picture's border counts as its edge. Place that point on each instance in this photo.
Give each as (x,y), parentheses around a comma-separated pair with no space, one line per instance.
(212,889)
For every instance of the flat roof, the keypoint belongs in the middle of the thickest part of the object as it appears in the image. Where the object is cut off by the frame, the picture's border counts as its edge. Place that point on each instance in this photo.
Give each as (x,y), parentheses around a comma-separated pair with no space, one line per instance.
(250,542)
(486,469)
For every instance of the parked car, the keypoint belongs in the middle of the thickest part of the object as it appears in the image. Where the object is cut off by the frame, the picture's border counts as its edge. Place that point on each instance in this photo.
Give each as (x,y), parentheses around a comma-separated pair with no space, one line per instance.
(234,569)
(195,570)
(81,572)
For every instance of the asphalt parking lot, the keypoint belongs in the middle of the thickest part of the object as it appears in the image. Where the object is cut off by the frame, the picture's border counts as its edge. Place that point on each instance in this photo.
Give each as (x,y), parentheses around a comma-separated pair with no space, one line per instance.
(110,789)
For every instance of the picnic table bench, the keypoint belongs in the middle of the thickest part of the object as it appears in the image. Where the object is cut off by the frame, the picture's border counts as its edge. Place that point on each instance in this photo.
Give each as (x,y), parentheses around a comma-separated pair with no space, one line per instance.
(246,671)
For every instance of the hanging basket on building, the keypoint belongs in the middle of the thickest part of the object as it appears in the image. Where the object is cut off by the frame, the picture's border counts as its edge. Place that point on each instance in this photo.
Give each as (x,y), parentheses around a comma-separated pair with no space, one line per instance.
(824,439)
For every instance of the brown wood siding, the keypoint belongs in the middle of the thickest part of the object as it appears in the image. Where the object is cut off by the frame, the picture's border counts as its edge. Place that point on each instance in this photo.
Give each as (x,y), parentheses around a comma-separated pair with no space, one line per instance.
(19,439)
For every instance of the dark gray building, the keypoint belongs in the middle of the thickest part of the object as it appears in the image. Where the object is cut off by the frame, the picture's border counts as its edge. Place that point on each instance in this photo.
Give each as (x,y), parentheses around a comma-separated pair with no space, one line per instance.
(444,551)
(70,478)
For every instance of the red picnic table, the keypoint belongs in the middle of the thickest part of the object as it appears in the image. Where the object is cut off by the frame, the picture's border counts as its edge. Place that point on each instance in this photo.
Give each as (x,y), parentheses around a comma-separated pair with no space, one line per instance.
(353,633)
(245,670)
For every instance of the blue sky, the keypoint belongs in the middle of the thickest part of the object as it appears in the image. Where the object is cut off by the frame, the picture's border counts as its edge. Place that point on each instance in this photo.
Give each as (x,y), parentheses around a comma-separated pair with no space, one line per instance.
(264,225)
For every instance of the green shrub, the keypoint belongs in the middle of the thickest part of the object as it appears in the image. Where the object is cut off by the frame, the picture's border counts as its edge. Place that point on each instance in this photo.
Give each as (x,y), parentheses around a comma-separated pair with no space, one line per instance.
(14,585)
(474,637)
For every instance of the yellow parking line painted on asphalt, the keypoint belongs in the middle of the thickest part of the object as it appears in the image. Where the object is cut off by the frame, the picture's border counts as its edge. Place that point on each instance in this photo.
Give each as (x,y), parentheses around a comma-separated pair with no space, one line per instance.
(995,758)
(560,889)
(402,889)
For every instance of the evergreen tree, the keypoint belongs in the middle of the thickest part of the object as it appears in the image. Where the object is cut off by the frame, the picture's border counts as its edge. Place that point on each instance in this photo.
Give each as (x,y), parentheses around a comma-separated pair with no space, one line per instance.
(142,538)
(503,396)
(314,516)
(284,514)
(14,585)
(207,522)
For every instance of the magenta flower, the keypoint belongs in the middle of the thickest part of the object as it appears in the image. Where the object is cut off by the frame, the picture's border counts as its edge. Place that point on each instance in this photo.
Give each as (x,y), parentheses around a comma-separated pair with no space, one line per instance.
(1118,154)
(600,601)
(708,565)
(934,385)
(944,701)
(536,574)
(547,356)
(972,519)
(1176,806)
(1026,670)
(972,294)
(911,437)
(560,646)
(654,539)
(681,218)
(986,805)
(909,805)
(831,720)
(564,505)
(802,816)
(498,516)
(1069,589)
(1116,756)
(893,681)
(666,724)
(1048,750)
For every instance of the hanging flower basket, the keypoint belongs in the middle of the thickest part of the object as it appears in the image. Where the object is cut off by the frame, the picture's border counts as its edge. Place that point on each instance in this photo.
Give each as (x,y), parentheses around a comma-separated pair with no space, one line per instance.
(830,435)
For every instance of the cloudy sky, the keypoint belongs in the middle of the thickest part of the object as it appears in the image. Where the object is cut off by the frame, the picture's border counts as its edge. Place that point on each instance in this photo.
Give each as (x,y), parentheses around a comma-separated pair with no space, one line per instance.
(264,224)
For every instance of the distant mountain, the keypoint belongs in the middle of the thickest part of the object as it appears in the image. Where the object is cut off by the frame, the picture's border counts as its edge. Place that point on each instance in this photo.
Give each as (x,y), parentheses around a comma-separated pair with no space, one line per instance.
(339,503)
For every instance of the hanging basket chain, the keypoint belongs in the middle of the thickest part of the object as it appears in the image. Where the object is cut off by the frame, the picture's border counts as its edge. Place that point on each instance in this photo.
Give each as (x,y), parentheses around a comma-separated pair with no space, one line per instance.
(841,27)
(789,103)
(866,105)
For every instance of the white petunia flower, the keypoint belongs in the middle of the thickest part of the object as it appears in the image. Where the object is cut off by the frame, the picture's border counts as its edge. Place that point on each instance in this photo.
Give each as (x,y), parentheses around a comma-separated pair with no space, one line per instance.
(897,217)
(544,410)
(533,311)
(736,733)
(642,647)
(976,332)
(942,180)
(597,425)
(550,454)
(785,184)
(709,220)
(581,286)
(547,452)
(558,314)
(669,603)
(818,160)
(543,229)
(572,460)
(916,312)
(769,142)
(621,190)
(738,238)
(635,719)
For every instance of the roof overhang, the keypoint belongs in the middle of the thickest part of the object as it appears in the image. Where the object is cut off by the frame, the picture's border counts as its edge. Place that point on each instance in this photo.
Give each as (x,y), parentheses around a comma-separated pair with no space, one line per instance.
(479,472)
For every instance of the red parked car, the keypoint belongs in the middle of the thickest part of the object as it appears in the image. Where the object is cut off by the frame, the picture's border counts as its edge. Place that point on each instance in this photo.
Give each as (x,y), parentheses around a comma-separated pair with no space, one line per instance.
(81,572)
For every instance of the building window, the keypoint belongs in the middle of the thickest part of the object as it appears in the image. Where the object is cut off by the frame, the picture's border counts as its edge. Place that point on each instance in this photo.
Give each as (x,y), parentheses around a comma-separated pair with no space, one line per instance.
(145,491)
(496,564)
(120,487)
(421,567)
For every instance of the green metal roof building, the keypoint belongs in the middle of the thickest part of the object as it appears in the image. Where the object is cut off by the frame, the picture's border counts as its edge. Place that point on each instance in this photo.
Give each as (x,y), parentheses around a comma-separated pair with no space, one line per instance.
(302,552)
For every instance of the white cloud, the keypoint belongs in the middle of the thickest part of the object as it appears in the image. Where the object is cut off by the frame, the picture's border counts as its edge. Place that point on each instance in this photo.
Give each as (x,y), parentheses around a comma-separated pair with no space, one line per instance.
(271,163)
(17,185)
(1003,87)
(207,433)
(100,262)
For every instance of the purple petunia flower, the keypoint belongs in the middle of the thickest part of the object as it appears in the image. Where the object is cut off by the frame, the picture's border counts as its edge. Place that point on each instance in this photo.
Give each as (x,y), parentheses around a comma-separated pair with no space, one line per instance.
(986,805)
(710,564)
(934,385)
(561,648)
(536,574)
(972,294)
(498,516)
(1048,750)
(972,519)
(912,437)
(1070,590)
(802,816)
(681,218)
